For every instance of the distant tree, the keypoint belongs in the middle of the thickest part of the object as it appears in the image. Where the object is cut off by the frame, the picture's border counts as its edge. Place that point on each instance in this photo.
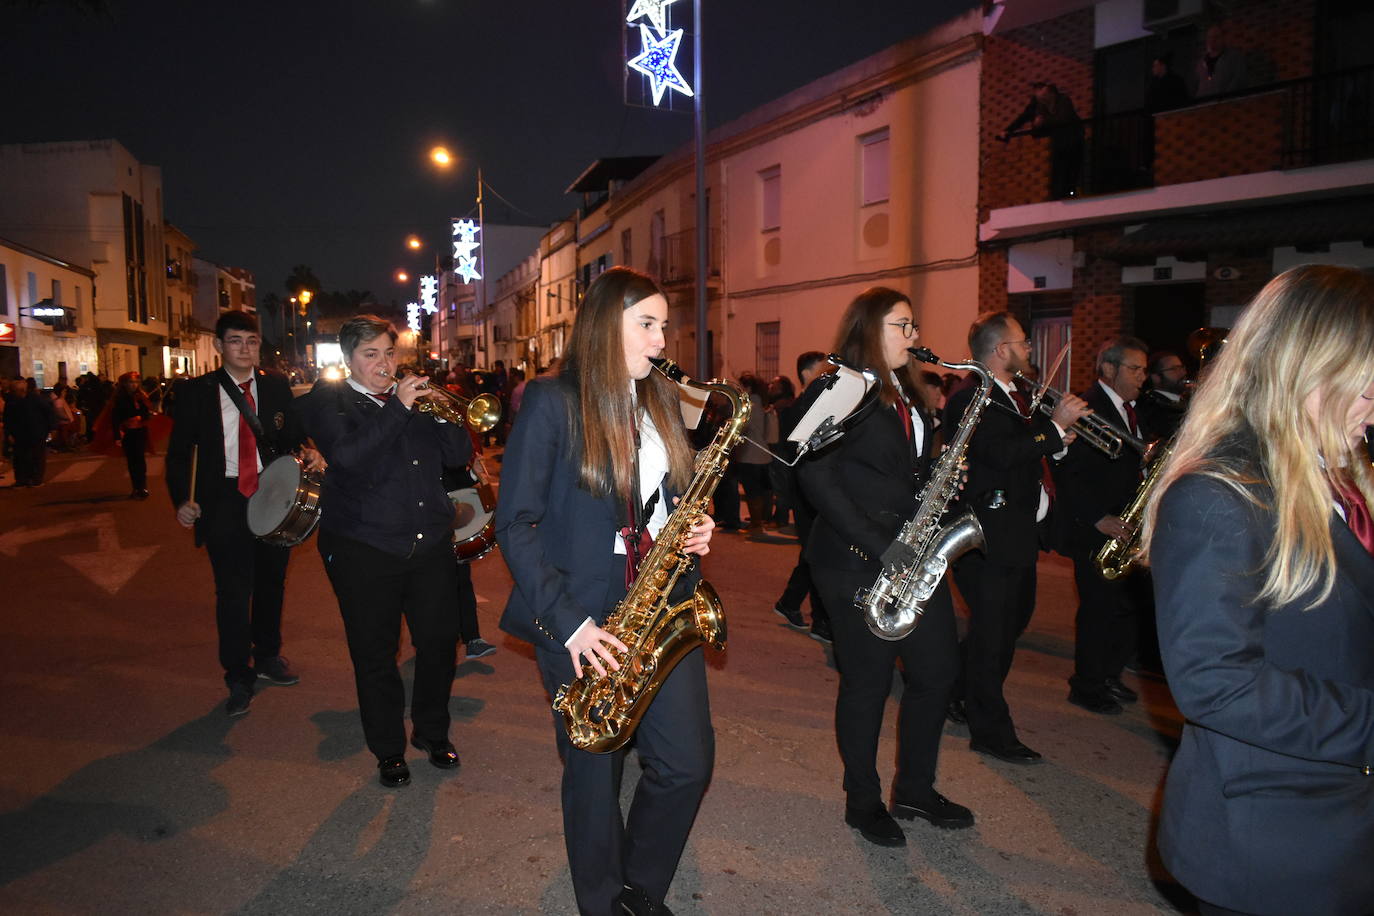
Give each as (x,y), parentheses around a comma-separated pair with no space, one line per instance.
(303,277)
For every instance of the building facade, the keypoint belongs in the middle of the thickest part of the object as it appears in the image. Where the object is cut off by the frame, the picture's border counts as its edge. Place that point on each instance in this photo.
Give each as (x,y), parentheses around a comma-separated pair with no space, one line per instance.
(189,347)
(93,204)
(47,325)
(1181,209)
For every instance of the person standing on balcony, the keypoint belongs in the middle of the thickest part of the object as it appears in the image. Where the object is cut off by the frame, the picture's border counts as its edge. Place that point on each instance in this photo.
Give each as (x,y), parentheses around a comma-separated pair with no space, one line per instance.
(1221,68)
(1050,114)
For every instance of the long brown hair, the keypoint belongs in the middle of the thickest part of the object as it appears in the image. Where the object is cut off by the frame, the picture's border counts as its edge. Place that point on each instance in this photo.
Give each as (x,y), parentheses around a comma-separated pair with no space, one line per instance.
(859,341)
(594,365)
(1308,330)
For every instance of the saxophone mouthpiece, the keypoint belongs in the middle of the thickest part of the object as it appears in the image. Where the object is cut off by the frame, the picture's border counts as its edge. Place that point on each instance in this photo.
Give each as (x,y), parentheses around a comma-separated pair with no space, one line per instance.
(668,368)
(923,354)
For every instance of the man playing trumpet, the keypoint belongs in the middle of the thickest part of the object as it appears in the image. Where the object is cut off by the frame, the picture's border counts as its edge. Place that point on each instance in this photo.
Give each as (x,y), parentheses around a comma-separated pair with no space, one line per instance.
(385,541)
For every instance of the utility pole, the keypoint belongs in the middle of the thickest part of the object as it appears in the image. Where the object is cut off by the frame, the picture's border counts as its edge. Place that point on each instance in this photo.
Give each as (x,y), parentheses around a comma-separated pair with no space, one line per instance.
(703,229)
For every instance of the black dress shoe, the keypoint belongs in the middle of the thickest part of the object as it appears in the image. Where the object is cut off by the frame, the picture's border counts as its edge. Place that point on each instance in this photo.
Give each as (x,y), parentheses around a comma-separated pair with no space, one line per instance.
(393,772)
(1120,691)
(1101,703)
(441,753)
(1016,752)
(957,712)
(937,809)
(634,902)
(875,825)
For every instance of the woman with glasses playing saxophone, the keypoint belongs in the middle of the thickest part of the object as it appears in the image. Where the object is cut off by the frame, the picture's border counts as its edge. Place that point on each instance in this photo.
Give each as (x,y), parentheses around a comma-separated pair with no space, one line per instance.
(864,488)
(1260,541)
(594,462)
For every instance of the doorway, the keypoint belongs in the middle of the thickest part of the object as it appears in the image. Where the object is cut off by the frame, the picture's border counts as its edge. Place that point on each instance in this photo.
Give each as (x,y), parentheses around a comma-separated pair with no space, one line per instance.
(1166,313)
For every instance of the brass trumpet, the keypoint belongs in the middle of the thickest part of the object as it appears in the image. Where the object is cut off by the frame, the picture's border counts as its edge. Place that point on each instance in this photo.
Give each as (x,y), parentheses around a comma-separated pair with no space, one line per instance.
(482,412)
(1100,433)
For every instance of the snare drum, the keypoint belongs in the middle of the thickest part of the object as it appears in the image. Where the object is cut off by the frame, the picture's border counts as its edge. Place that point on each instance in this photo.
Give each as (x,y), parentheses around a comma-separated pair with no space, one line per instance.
(474,533)
(286,507)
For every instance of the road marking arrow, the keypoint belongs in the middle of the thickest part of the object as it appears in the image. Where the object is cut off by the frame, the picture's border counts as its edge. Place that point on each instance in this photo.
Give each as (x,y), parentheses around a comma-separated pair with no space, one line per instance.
(109,566)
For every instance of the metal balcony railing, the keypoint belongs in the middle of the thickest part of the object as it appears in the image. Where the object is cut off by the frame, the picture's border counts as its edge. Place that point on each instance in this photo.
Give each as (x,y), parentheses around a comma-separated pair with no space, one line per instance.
(676,259)
(1286,125)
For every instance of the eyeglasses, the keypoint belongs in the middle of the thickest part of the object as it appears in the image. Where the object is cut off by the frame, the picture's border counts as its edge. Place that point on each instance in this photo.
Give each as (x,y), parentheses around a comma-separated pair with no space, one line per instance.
(1024,342)
(909,328)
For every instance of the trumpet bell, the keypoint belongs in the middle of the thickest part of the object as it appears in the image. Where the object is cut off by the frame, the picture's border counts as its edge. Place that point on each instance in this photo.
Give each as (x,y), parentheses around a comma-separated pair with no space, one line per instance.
(483,413)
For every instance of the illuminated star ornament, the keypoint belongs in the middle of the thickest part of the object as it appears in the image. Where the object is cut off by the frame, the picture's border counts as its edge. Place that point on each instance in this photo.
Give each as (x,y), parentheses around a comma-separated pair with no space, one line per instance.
(429,291)
(464,244)
(656,62)
(656,10)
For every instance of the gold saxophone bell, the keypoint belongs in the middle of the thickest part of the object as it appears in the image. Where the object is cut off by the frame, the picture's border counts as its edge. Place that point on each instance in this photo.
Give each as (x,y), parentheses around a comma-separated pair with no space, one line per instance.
(482,412)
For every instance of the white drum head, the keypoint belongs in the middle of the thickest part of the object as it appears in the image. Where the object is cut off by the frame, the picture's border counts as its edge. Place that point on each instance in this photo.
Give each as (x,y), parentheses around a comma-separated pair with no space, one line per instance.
(467,506)
(272,503)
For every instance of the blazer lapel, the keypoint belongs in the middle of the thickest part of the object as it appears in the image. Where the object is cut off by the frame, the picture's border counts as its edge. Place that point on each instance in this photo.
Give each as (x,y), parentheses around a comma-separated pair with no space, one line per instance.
(1353,561)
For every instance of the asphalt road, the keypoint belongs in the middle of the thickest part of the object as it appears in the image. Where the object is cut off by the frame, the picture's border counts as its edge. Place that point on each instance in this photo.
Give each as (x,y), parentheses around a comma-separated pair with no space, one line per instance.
(128,790)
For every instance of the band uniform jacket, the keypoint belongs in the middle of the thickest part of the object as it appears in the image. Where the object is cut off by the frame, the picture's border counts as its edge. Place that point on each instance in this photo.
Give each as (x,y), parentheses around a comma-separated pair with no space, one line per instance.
(1090,485)
(863,488)
(1269,802)
(198,422)
(555,534)
(384,485)
(1005,453)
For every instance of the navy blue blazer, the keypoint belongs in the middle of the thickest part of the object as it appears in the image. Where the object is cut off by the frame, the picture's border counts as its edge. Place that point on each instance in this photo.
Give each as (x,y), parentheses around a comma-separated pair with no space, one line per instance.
(1269,804)
(198,423)
(384,485)
(1089,485)
(863,487)
(1005,454)
(557,537)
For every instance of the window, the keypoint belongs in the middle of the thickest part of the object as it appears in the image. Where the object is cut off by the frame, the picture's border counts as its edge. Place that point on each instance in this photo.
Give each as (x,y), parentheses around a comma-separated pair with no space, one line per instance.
(33,288)
(766,349)
(39,370)
(873,165)
(625,248)
(770,197)
(57,292)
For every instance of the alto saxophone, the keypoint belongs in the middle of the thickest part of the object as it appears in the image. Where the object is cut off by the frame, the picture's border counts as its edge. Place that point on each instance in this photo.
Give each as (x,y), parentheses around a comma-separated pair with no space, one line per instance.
(1116,557)
(895,602)
(601,713)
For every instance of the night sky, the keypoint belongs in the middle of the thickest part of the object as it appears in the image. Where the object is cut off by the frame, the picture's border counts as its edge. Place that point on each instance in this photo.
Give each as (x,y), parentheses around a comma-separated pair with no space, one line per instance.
(296,131)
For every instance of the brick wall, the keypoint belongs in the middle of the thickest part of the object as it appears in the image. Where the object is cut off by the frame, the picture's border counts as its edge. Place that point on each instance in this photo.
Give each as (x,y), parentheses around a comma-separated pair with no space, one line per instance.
(992,279)
(1235,137)
(1099,306)
(1059,51)
(1277,38)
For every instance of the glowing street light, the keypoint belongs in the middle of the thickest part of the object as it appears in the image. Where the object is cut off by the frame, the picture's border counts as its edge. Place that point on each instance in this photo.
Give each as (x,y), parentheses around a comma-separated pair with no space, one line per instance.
(413,242)
(441,157)
(402,277)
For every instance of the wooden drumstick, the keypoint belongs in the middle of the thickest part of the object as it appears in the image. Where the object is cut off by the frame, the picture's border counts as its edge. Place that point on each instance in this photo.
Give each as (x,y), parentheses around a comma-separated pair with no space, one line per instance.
(195,453)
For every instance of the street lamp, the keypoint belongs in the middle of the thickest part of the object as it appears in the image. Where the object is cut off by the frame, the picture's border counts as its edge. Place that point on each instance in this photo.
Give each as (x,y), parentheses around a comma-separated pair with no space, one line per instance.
(413,242)
(441,157)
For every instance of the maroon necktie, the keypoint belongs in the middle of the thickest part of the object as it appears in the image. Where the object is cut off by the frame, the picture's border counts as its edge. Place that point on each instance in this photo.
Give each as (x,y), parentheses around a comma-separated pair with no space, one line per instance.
(636,549)
(904,412)
(1130,418)
(1046,478)
(1357,515)
(248,446)
(382,396)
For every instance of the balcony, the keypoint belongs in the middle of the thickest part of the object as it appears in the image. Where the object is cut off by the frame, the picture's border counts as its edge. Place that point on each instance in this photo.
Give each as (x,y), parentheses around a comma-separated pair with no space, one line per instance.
(675,262)
(1302,138)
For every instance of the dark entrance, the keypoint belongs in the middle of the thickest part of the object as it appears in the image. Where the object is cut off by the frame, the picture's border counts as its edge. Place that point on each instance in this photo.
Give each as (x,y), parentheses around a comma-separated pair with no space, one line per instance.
(1166,313)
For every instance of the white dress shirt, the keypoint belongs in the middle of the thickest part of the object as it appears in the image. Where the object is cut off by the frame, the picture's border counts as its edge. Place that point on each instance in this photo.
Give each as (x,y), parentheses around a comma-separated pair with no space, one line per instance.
(229,417)
(1044,508)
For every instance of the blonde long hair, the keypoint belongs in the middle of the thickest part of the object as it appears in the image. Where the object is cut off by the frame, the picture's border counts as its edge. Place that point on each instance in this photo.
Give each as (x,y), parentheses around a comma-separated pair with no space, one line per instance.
(603,411)
(1310,329)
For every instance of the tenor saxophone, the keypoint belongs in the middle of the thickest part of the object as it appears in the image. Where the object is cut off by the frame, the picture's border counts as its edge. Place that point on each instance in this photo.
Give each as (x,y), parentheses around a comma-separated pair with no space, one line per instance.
(893,605)
(601,713)
(1116,557)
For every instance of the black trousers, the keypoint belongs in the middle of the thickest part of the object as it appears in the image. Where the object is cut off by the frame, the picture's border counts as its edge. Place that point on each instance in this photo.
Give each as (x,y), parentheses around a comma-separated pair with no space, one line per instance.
(250,577)
(467,604)
(725,501)
(677,750)
(930,663)
(1105,627)
(800,583)
(30,461)
(375,590)
(1001,601)
(135,444)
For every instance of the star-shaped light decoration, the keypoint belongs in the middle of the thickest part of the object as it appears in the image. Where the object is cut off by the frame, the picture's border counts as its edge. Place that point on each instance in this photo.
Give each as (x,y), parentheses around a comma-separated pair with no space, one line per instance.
(467,268)
(656,62)
(656,10)
(464,244)
(413,316)
(429,291)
